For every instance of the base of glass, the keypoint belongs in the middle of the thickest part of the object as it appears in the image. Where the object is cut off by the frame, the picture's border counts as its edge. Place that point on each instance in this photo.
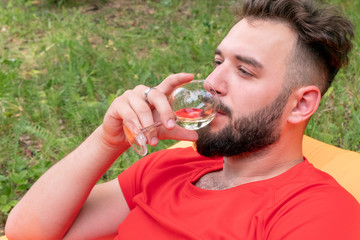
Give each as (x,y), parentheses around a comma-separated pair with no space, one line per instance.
(135,137)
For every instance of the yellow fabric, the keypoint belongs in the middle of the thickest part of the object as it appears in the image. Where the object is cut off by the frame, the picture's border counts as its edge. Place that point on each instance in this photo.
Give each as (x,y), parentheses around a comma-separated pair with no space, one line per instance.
(342,164)
(3,238)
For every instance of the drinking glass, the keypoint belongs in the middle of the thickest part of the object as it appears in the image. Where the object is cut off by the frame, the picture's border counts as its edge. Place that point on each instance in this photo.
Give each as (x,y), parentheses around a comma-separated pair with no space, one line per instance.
(193,105)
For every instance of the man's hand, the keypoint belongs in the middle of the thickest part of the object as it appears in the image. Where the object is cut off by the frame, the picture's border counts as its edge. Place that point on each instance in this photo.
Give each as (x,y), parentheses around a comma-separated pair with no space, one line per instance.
(55,200)
(144,112)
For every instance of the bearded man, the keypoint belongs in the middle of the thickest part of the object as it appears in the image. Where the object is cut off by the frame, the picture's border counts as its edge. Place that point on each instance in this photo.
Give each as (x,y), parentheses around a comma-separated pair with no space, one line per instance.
(248,178)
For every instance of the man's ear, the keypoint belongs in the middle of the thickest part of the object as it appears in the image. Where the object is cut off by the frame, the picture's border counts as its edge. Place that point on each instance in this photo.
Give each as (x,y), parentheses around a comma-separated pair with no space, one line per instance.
(305,101)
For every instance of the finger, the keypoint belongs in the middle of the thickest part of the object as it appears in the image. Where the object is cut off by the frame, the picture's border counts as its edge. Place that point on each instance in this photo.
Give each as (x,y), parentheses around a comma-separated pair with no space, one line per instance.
(139,101)
(171,82)
(163,108)
(158,97)
(141,109)
(144,116)
(123,109)
(113,120)
(179,133)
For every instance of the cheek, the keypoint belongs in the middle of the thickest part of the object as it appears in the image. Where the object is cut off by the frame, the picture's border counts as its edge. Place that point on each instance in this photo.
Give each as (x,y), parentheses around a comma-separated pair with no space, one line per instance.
(247,100)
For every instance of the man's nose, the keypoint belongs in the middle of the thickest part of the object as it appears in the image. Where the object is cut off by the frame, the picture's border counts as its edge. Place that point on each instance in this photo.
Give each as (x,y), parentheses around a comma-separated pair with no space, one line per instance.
(218,79)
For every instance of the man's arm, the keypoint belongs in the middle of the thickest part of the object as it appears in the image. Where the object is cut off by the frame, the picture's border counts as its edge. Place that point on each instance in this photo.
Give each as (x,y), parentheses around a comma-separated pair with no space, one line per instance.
(51,205)
(49,209)
(102,213)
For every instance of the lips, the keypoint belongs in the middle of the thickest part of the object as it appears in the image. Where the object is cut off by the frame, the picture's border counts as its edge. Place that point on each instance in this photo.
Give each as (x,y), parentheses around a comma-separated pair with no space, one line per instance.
(220,112)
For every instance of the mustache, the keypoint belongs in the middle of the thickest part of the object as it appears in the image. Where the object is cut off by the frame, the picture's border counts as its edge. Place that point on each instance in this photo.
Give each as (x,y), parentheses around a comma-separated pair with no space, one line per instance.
(221,107)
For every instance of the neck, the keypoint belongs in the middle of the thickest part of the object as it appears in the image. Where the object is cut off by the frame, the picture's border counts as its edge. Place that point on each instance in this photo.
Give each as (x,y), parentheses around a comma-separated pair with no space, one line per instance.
(261,165)
(267,163)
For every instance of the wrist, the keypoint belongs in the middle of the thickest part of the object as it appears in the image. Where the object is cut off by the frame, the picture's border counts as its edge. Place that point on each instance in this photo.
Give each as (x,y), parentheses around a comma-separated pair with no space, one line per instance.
(115,143)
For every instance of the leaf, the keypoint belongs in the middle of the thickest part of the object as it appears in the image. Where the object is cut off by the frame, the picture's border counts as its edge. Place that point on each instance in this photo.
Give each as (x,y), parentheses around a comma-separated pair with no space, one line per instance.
(19,178)
(3,178)
(3,199)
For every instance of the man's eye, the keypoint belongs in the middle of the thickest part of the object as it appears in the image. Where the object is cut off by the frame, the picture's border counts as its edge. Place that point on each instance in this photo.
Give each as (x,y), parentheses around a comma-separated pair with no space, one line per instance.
(217,63)
(243,71)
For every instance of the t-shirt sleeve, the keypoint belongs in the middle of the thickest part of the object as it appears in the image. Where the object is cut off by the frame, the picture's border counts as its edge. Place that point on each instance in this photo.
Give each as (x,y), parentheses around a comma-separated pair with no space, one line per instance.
(131,179)
(331,216)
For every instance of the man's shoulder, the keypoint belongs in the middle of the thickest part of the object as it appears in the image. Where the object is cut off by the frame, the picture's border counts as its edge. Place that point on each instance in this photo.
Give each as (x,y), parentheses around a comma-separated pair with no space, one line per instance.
(311,184)
(314,202)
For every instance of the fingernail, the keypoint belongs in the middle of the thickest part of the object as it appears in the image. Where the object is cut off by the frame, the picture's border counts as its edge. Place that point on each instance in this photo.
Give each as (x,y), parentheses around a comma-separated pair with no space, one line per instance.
(154,141)
(171,123)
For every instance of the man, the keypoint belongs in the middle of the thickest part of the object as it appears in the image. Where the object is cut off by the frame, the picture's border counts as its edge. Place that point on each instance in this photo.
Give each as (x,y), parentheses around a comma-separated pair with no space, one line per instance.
(270,72)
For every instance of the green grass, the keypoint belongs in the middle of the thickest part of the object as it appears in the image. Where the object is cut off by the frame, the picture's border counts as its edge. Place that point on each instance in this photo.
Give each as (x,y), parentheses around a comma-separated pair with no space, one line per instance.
(61,65)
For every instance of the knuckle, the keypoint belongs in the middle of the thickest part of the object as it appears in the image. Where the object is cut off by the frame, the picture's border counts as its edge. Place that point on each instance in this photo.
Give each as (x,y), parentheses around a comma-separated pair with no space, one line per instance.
(156,93)
(127,93)
(118,100)
(172,75)
(140,87)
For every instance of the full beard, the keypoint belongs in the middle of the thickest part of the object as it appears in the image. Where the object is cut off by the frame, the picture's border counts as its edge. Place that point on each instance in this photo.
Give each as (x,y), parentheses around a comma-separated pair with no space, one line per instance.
(246,134)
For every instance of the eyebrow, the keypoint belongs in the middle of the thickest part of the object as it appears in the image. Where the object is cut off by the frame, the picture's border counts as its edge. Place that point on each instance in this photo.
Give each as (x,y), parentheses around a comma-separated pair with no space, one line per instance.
(248,60)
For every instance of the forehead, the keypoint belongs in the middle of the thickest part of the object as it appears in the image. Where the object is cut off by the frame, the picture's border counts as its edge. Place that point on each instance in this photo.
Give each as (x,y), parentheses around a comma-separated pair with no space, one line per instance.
(266,41)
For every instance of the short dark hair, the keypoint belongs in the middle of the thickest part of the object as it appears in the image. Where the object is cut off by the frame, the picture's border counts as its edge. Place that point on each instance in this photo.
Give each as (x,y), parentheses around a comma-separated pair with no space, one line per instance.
(324,37)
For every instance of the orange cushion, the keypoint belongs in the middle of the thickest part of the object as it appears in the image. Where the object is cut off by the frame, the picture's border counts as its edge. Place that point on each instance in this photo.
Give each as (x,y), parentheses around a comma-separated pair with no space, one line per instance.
(342,164)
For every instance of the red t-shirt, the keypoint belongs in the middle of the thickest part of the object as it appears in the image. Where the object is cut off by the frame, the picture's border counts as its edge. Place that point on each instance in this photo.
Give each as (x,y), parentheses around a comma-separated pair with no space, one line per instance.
(302,203)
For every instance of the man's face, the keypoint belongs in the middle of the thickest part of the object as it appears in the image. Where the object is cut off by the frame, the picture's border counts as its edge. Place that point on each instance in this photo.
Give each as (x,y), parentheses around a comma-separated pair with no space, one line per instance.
(244,134)
(249,77)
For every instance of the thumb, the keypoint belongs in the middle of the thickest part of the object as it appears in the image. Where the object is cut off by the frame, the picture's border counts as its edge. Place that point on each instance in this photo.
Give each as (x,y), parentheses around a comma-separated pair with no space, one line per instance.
(179,133)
